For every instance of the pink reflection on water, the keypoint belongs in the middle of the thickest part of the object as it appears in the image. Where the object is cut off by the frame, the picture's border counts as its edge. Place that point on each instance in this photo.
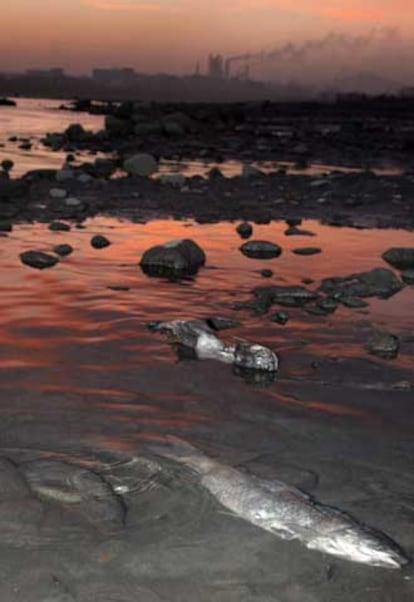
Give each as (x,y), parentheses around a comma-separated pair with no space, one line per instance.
(68,322)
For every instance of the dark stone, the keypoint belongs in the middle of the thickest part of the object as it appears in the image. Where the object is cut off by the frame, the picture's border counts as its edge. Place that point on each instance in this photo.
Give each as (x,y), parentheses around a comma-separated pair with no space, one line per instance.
(177,257)
(63,249)
(221,322)
(289,296)
(245,230)
(307,250)
(281,317)
(294,231)
(308,280)
(7,165)
(99,242)
(37,259)
(7,102)
(59,227)
(293,221)
(5,226)
(352,302)
(379,282)
(328,304)
(266,273)
(75,132)
(407,276)
(401,258)
(260,249)
(35,175)
(383,345)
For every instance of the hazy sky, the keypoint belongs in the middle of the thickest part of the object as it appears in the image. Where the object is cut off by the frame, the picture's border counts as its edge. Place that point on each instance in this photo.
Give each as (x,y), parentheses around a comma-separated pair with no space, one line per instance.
(172,35)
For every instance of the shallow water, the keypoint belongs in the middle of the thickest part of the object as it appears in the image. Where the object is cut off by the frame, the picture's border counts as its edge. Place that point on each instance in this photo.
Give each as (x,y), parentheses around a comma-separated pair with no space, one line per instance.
(83,381)
(32,118)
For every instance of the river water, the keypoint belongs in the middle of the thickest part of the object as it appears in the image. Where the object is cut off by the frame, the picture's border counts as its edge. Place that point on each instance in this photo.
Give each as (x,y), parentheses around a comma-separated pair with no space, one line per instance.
(83,380)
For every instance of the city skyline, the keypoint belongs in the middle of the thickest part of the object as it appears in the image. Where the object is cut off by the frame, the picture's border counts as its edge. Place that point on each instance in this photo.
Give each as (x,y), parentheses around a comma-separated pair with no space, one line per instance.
(170,36)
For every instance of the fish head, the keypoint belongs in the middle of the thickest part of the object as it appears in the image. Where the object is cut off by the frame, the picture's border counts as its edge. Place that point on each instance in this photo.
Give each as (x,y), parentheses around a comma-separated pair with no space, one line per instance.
(361,544)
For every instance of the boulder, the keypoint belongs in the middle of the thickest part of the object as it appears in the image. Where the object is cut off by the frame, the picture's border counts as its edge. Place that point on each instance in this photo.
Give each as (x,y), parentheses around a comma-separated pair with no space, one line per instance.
(401,258)
(59,227)
(307,250)
(379,282)
(260,249)
(38,259)
(383,345)
(75,132)
(182,256)
(142,164)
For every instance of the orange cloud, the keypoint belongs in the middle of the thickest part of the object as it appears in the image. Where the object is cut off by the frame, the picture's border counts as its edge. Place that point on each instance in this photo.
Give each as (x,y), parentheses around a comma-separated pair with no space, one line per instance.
(123,5)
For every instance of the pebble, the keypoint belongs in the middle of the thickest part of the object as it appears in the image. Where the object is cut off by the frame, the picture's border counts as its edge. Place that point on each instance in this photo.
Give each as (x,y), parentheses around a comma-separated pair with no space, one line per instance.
(99,242)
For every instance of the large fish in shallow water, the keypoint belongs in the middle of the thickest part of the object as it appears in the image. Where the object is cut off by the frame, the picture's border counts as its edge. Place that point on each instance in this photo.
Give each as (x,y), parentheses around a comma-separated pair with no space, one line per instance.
(286,511)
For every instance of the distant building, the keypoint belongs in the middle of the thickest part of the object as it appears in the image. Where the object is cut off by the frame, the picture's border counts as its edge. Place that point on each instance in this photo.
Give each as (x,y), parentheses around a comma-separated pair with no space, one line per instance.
(115,76)
(215,66)
(54,73)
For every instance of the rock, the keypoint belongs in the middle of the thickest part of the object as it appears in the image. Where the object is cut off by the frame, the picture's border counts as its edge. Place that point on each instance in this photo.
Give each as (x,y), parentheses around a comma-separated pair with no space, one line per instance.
(63,250)
(7,165)
(57,193)
(147,128)
(249,171)
(289,296)
(328,304)
(221,322)
(182,256)
(307,250)
(7,102)
(215,174)
(294,231)
(75,132)
(307,280)
(244,230)
(85,178)
(64,174)
(408,276)
(99,242)
(352,302)
(260,249)
(6,226)
(266,273)
(176,180)
(281,317)
(73,202)
(116,127)
(379,282)
(38,259)
(172,128)
(141,164)
(293,221)
(383,345)
(401,258)
(35,175)
(59,227)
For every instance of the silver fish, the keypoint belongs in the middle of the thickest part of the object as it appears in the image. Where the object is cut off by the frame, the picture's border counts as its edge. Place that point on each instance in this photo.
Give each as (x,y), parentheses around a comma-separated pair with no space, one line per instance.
(285,511)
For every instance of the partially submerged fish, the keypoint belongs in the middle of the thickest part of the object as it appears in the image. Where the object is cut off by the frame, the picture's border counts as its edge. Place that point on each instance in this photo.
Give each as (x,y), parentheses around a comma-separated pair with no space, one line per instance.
(197,335)
(286,511)
(72,484)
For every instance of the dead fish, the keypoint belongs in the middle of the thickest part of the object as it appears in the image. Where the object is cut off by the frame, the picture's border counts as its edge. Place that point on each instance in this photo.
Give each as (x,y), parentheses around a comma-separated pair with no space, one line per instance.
(72,484)
(286,511)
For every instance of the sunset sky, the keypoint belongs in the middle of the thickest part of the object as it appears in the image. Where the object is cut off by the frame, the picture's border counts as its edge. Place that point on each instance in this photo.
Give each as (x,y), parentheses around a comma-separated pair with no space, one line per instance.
(172,35)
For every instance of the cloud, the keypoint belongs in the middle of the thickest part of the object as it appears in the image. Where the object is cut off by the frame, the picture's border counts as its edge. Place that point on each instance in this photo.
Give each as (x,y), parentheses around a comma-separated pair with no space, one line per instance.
(125,5)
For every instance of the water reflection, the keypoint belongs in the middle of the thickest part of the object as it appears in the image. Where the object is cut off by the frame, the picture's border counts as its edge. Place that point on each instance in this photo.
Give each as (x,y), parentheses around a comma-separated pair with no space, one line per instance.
(74,345)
